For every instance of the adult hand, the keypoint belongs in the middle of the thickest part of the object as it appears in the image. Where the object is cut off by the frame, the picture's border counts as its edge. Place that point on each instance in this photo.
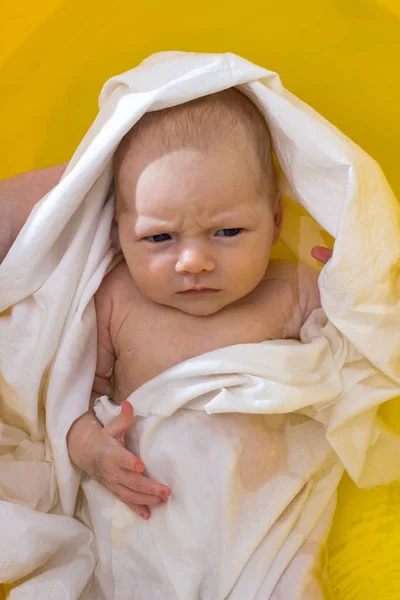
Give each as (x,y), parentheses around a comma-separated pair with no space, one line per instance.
(18,196)
(102,454)
(322,254)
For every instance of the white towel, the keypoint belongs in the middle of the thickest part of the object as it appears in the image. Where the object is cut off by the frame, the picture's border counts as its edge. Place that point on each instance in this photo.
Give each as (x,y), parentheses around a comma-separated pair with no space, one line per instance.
(47,331)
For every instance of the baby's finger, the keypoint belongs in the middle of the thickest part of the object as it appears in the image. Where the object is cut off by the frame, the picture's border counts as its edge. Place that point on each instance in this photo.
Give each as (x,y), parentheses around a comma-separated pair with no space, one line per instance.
(142,484)
(131,497)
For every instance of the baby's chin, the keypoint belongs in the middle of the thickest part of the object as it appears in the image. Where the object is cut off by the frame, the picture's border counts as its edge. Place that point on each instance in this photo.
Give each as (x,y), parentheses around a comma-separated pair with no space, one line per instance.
(201,311)
(201,305)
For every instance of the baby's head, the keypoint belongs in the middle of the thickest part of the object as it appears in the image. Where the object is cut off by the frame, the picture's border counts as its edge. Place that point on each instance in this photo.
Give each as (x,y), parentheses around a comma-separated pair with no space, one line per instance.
(196,202)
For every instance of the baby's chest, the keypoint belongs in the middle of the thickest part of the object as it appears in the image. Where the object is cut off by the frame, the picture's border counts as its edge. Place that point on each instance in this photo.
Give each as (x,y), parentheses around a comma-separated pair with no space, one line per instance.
(154,340)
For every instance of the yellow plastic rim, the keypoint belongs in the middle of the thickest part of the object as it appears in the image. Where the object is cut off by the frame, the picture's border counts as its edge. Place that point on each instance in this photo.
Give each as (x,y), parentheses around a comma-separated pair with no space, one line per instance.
(340,56)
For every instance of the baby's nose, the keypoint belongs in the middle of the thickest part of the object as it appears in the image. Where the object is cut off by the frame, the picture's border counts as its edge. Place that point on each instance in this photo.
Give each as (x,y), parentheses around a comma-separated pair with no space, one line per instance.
(194,260)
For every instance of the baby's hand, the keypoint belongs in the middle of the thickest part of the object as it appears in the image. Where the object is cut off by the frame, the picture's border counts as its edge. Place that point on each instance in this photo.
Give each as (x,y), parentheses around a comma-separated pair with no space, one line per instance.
(117,469)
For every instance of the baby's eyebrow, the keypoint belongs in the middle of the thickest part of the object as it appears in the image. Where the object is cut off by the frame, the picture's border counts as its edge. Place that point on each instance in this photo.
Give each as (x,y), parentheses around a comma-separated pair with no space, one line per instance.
(225,215)
(237,213)
(151,223)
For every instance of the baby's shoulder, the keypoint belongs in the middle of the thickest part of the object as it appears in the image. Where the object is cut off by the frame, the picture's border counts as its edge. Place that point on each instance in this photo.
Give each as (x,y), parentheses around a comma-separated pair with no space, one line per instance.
(116,281)
(298,292)
(282,270)
(299,277)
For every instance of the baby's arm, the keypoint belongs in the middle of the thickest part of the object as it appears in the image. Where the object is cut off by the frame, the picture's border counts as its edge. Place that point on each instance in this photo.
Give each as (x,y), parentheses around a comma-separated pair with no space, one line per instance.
(100,451)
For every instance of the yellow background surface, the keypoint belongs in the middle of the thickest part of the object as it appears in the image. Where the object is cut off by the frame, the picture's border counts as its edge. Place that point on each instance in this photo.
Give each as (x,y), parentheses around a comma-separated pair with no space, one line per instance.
(340,56)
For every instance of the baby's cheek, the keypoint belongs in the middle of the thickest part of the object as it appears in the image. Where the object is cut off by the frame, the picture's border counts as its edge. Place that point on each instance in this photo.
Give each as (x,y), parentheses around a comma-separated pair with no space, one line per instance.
(158,270)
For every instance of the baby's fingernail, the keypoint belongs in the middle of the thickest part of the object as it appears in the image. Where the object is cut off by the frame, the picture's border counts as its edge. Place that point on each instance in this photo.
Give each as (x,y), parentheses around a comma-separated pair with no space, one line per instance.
(139,467)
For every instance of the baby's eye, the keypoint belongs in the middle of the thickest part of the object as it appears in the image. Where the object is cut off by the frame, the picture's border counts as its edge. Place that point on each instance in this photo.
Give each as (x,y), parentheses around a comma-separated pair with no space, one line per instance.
(229,232)
(159,237)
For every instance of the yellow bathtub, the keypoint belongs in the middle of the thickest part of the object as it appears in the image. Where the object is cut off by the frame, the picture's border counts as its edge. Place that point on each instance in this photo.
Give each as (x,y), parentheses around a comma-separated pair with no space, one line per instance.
(340,56)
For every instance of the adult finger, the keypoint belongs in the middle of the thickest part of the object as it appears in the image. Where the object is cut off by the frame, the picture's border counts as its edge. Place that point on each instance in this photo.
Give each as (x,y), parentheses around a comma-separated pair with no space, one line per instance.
(322,254)
(144,485)
(123,459)
(122,422)
(142,511)
(132,497)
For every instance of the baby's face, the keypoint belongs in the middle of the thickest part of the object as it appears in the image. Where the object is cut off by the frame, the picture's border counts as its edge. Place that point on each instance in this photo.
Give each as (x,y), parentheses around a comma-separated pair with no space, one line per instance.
(195,233)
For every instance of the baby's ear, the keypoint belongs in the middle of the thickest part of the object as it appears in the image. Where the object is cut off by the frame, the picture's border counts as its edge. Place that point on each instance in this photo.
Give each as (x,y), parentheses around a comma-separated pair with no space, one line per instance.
(115,243)
(278,217)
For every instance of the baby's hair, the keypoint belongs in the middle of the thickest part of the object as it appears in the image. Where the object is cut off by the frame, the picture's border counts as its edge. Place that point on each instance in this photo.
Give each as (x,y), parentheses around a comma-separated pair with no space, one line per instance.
(203,123)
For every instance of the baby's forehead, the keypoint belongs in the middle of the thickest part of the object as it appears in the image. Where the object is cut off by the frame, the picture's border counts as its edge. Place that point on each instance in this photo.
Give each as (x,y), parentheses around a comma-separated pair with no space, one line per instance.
(201,123)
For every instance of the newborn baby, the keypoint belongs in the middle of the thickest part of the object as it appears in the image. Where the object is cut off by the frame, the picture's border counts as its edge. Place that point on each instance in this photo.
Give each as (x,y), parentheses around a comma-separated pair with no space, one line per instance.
(198,212)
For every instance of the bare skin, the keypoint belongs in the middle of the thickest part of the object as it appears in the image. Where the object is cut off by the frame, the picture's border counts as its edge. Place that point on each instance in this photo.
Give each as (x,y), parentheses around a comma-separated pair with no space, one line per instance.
(20,193)
(190,221)
(126,316)
(321,254)
(139,339)
(18,196)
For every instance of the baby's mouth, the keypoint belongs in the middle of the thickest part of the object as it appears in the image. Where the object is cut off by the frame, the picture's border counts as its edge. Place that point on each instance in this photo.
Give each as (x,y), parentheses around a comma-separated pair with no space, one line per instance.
(198,290)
